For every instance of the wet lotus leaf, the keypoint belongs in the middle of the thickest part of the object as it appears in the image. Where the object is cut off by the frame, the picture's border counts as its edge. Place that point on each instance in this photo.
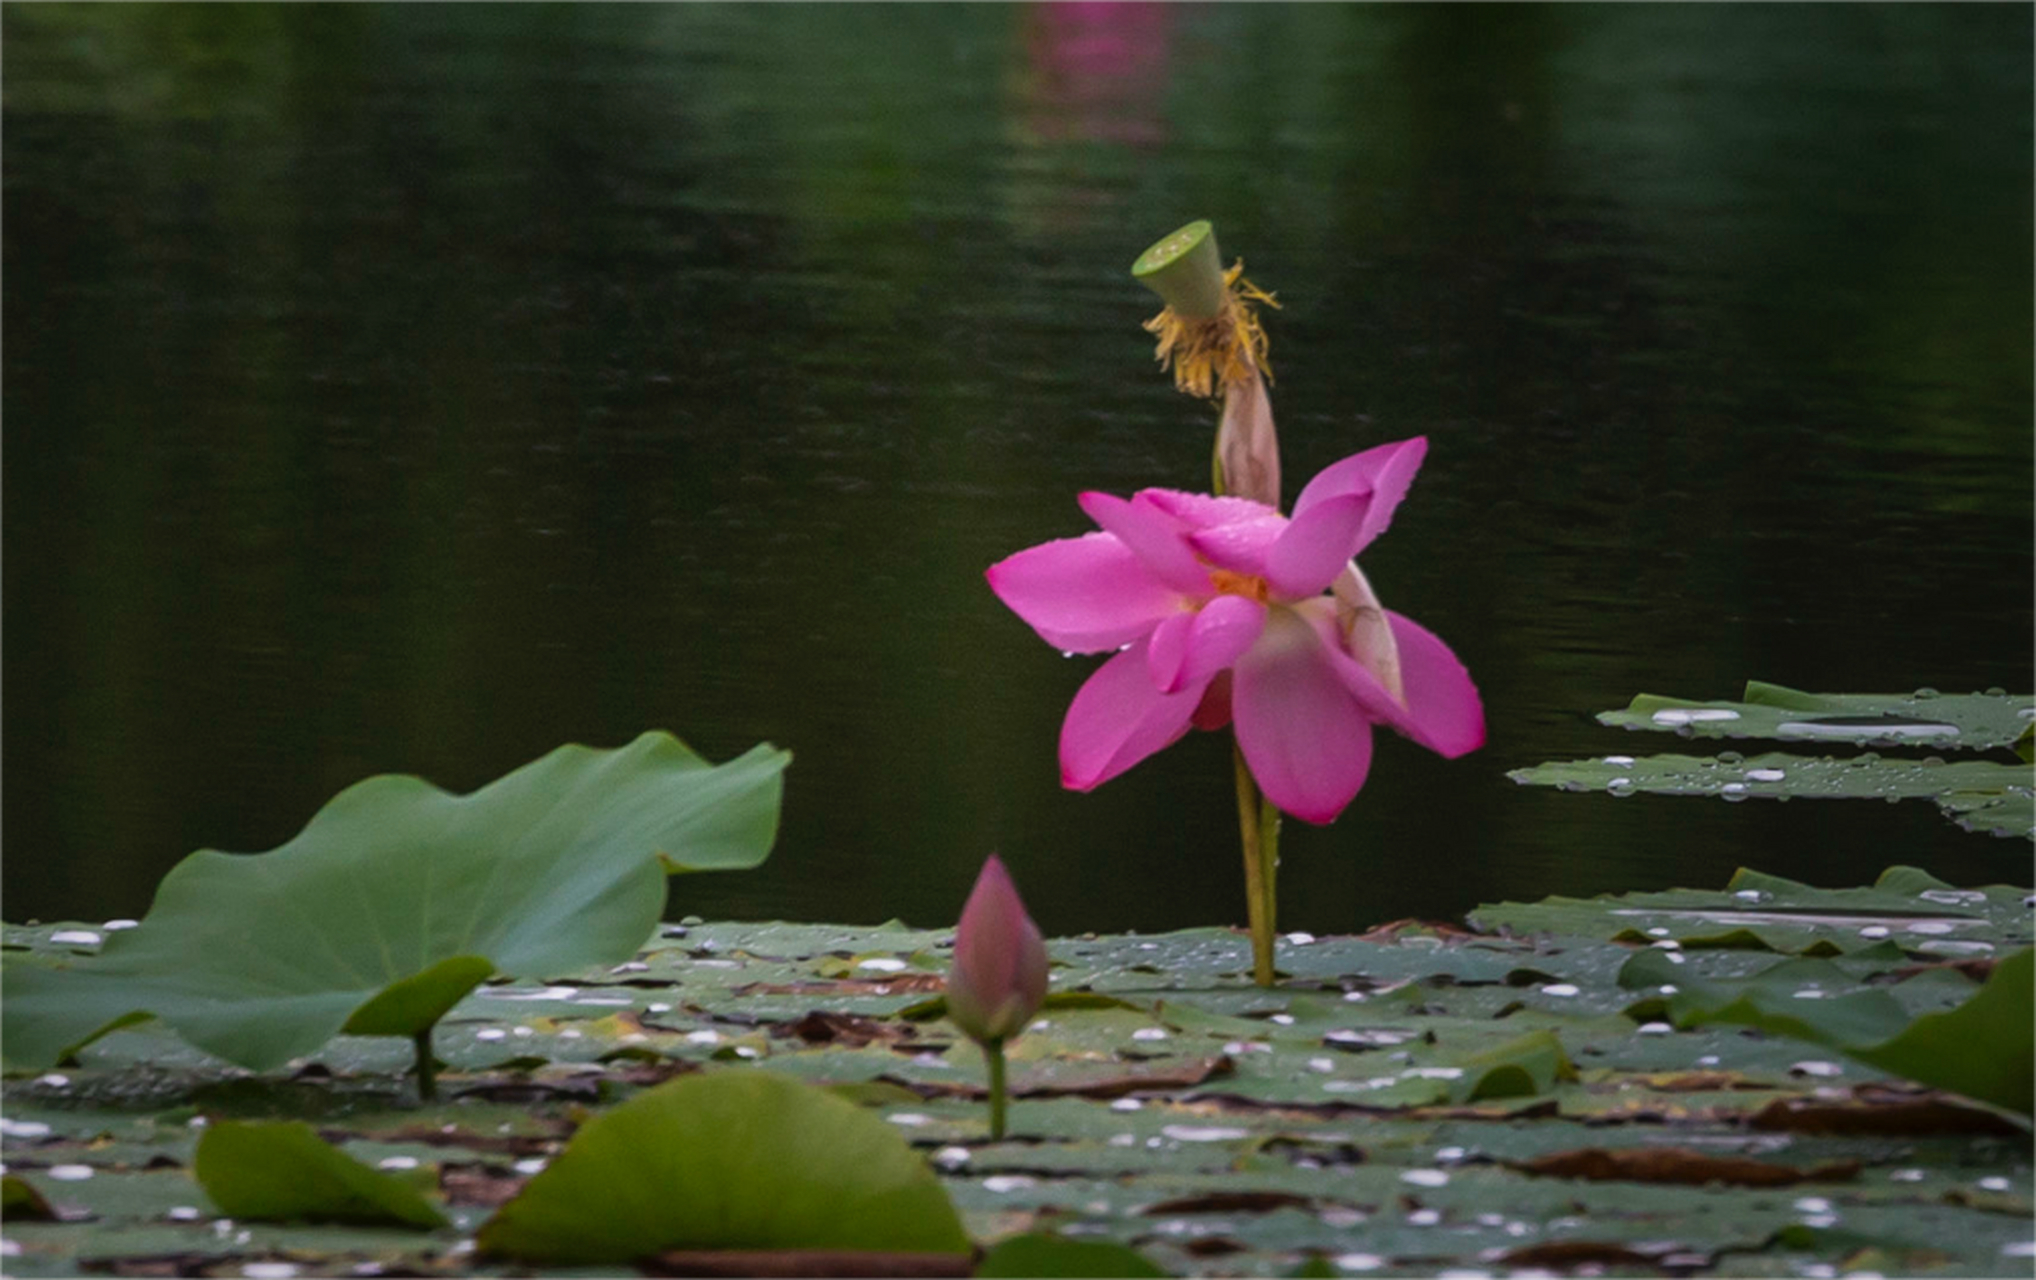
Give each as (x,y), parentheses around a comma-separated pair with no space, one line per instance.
(281,1171)
(1341,1130)
(1981,1047)
(1982,795)
(732,1159)
(2011,812)
(398,898)
(1044,1254)
(1973,721)
(1907,907)
(1521,1067)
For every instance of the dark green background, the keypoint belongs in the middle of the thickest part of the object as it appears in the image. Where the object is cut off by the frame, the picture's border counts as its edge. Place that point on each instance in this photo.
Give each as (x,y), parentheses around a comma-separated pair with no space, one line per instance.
(407,388)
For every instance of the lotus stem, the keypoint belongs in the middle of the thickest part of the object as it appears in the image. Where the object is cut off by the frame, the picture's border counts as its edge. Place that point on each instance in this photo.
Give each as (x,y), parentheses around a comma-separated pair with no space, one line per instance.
(1258,824)
(993,1055)
(427,1066)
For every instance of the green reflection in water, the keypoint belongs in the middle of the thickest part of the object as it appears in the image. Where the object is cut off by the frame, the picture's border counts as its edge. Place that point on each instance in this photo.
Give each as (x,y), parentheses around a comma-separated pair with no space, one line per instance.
(415,389)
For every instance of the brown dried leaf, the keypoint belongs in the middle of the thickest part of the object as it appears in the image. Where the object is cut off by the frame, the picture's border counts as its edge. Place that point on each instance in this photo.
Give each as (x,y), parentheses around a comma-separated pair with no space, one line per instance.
(1891,1115)
(1392,931)
(1213,1247)
(902,984)
(508,1144)
(1979,968)
(478,1184)
(1230,1202)
(1563,1255)
(1700,1082)
(848,1030)
(1677,1165)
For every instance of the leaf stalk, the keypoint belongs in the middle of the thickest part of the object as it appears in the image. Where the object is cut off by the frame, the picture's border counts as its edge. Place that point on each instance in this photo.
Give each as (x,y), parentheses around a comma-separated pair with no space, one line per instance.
(1258,824)
(427,1066)
(993,1055)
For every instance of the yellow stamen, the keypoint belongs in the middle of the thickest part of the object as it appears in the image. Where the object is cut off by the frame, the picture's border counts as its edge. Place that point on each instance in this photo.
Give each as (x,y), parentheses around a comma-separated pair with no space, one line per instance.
(1210,355)
(1239,584)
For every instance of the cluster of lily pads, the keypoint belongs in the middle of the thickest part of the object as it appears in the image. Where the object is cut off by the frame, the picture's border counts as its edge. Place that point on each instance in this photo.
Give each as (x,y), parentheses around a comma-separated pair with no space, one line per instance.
(1989,795)
(1635,1083)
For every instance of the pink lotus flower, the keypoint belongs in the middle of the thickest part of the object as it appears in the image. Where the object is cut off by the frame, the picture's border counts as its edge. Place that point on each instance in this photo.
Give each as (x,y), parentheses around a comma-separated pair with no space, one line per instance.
(999,974)
(1222,609)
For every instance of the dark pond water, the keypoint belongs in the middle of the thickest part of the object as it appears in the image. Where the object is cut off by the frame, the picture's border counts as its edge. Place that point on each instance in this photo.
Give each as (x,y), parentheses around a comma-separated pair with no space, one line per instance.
(413,389)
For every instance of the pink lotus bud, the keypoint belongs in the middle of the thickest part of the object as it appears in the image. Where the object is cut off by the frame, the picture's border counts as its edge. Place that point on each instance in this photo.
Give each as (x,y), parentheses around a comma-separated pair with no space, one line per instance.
(999,975)
(1247,447)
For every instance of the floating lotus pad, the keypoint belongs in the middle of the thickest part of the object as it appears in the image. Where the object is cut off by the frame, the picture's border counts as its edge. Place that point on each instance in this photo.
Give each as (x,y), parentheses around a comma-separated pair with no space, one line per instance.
(1980,795)
(1981,1046)
(281,1171)
(1925,718)
(733,1159)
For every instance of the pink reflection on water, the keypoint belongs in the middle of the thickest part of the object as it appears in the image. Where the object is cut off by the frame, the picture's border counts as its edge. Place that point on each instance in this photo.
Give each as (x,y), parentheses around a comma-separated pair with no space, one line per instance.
(1097,72)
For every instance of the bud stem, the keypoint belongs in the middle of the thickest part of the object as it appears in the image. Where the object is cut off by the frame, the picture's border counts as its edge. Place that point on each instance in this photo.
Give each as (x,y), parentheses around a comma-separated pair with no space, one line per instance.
(1258,822)
(993,1055)
(427,1066)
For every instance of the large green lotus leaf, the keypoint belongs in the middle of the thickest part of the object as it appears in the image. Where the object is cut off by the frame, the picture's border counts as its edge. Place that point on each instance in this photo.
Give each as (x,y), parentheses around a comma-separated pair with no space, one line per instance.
(1981,1047)
(732,1159)
(1976,720)
(1979,795)
(281,1171)
(398,897)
